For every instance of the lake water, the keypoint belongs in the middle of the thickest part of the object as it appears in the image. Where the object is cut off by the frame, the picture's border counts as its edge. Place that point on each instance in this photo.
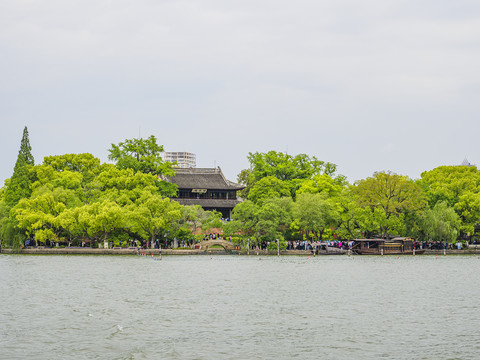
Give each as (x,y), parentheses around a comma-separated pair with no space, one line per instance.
(239,307)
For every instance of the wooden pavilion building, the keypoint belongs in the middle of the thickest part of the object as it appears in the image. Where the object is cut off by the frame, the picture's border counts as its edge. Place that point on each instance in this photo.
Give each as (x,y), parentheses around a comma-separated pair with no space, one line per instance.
(206,187)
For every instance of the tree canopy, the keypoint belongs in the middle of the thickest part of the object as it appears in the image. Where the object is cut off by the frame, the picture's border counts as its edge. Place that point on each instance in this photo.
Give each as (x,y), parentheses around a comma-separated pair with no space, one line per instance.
(441,223)
(74,197)
(389,196)
(291,171)
(459,187)
(140,155)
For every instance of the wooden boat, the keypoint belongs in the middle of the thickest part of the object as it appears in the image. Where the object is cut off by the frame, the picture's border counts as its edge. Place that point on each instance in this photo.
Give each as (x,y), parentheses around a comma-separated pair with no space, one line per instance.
(395,246)
(325,249)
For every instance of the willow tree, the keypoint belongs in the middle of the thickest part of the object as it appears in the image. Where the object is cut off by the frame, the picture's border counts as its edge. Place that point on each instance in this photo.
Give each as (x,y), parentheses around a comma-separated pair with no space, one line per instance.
(441,223)
(37,217)
(312,214)
(153,216)
(102,219)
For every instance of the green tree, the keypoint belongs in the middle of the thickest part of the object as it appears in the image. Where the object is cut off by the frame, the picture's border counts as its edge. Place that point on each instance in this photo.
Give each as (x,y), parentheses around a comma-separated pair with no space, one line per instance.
(286,167)
(10,235)
(54,191)
(448,183)
(85,164)
(354,221)
(16,188)
(245,178)
(141,155)
(153,216)
(101,219)
(389,196)
(459,187)
(19,185)
(274,217)
(244,218)
(468,208)
(324,184)
(268,187)
(64,186)
(292,170)
(194,216)
(212,221)
(124,186)
(312,214)
(68,222)
(37,216)
(144,156)
(441,223)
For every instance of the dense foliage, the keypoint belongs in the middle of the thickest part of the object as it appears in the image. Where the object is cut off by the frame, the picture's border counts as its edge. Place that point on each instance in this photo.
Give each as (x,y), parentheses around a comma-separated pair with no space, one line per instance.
(74,199)
(444,205)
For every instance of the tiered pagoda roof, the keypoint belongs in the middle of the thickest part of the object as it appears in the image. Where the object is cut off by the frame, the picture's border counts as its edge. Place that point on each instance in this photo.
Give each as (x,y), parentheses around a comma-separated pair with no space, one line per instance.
(202,178)
(206,187)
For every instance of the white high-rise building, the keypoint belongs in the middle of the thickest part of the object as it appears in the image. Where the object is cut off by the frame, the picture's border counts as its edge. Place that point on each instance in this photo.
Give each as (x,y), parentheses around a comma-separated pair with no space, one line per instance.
(183,160)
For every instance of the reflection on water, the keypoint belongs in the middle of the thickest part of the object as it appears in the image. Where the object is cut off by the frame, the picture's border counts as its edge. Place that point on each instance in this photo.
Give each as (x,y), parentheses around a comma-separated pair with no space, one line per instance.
(233,307)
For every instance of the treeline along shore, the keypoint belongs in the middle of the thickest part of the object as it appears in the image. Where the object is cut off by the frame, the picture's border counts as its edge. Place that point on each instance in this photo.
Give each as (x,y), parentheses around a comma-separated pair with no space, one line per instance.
(162,252)
(74,200)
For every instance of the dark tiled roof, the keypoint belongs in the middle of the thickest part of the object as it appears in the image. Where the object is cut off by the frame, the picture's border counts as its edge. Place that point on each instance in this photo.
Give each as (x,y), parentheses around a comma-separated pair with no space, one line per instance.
(210,203)
(201,178)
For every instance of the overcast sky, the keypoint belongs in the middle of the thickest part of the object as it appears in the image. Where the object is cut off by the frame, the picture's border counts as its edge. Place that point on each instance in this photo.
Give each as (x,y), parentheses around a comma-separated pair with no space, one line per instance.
(368,85)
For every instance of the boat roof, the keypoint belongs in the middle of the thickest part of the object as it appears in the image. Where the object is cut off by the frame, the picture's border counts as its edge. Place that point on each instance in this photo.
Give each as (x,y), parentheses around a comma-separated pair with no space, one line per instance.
(358,240)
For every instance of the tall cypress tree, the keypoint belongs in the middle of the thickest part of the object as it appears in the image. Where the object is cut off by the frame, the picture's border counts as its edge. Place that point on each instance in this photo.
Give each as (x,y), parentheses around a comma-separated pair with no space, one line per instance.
(20,183)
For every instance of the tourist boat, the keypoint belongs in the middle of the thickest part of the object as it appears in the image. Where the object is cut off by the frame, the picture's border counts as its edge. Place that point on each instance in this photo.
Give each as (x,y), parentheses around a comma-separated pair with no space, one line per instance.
(395,246)
(326,249)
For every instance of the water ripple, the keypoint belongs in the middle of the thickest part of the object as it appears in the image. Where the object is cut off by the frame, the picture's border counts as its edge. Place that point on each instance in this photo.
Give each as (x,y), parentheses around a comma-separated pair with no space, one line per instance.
(93,307)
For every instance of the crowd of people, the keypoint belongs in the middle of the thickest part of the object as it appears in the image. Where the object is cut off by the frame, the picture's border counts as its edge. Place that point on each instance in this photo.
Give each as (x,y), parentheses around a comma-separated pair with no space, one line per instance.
(263,245)
(307,245)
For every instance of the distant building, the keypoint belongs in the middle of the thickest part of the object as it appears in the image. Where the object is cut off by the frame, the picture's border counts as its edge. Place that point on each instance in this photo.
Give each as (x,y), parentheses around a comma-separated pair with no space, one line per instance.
(182,159)
(466,163)
(206,187)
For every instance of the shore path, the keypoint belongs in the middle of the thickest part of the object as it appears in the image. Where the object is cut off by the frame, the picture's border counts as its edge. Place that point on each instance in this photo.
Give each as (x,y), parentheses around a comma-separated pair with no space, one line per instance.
(187,251)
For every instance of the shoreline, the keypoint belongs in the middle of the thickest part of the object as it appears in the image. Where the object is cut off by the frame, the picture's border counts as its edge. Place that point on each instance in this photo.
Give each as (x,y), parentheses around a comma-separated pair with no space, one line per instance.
(145,252)
(156,252)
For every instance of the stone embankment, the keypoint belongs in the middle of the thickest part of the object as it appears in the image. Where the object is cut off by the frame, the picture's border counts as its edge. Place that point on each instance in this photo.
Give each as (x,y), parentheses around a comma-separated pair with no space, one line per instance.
(79,251)
(471,251)
(134,251)
(187,251)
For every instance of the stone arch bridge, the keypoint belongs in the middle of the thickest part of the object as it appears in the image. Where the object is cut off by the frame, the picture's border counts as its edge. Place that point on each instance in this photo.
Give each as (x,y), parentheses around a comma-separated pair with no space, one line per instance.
(227,245)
